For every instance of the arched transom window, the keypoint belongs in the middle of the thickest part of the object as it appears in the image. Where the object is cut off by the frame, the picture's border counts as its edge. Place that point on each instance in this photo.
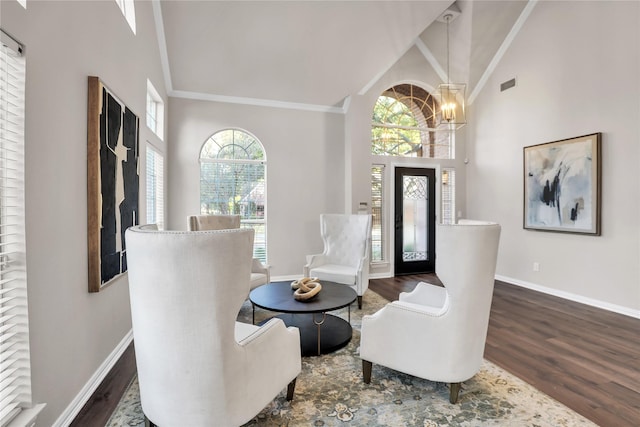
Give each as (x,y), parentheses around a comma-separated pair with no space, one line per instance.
(404,124)
(232,181)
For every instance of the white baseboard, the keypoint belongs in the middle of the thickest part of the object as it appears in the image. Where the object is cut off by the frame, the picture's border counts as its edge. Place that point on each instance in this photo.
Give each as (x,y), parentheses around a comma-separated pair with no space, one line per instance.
(283,278)
(90,387)
(572,297)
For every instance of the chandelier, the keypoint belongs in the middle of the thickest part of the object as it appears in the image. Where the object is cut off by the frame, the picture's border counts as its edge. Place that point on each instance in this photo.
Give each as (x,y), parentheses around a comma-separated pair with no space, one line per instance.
(452,95)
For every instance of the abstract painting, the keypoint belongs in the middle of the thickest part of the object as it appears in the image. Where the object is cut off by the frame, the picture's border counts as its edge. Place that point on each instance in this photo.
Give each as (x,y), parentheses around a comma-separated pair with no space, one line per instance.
(112,182)
(562,185)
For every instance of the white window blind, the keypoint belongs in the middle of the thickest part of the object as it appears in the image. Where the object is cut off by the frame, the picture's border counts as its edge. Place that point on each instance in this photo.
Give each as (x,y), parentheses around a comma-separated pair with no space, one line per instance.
(233,182)
(15,377)
(155,187)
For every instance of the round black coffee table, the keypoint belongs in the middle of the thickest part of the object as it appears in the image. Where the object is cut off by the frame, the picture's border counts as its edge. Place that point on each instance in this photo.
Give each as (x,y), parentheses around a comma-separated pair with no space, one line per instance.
(320,333)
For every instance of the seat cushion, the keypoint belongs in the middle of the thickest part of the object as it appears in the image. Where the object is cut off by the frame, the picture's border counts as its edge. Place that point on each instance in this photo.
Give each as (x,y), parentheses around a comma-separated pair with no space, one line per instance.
(335,273)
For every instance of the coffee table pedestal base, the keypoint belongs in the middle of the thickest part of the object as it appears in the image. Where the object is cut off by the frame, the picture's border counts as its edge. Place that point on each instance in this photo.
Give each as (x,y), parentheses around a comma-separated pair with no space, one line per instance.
(335,332)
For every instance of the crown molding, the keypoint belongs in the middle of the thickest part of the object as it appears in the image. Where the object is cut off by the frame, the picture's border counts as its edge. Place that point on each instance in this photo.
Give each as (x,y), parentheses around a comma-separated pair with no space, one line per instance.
(255,102)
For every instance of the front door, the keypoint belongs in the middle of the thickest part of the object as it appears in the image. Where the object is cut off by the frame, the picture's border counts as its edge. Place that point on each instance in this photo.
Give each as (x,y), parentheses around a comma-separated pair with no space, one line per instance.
(415,220)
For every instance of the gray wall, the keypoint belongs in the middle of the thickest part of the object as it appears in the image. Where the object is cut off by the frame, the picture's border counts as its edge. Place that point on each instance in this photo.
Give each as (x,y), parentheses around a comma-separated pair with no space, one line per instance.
(577,68)
(569,83)
(72,332)
(305,170)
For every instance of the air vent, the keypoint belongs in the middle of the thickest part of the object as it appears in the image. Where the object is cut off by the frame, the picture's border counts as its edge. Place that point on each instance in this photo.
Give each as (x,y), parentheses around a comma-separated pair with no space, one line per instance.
(507,85)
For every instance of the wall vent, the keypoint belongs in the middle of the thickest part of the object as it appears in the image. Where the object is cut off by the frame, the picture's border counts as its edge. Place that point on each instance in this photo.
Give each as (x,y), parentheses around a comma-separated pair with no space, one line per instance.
(508,84)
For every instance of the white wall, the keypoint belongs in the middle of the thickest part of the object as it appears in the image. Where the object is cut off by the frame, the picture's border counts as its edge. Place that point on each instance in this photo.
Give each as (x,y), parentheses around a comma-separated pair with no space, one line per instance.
(72,332)
(305,170)
(577,70)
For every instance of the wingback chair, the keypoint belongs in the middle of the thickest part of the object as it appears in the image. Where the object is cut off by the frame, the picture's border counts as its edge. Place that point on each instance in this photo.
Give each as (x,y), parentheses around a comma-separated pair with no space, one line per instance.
(260,273)
(347,243)
(439,333)
(197,366)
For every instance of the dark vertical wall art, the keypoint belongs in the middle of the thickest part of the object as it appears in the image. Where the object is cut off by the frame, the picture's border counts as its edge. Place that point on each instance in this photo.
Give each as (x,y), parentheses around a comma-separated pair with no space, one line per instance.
(112,182)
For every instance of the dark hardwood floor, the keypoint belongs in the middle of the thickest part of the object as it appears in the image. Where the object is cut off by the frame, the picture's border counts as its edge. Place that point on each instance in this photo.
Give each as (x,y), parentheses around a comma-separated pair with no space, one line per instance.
(584,357)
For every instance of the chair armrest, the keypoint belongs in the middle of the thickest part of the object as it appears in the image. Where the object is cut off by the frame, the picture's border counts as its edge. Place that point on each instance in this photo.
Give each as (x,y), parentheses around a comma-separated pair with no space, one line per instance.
(258,267)
(273,326)
(412,328)
(271,345)
(268,360)
(313,261)
(423,310)
(426,294)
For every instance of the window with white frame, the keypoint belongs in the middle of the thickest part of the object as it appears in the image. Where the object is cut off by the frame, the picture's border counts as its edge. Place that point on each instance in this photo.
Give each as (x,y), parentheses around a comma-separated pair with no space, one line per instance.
(233,182)
(15,376)
(155,111)
(128,10)
(155,187)
(377,214)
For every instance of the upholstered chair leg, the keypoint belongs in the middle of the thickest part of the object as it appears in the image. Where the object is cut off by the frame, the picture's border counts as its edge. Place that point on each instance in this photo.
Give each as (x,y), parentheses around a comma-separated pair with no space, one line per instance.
(148,423)
(453,393)
(290,389)
(366,371)
(360,302)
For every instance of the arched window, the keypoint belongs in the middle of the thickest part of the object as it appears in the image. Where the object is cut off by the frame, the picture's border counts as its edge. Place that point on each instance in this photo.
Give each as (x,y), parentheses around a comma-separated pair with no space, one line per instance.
(232,181)
(404,124)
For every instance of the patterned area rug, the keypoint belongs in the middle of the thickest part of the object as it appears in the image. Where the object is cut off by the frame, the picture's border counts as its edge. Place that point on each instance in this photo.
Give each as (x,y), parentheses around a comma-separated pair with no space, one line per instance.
(330,392)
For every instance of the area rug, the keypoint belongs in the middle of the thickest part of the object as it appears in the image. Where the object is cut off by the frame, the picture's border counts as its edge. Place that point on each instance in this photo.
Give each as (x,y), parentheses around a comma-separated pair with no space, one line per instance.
(330,392)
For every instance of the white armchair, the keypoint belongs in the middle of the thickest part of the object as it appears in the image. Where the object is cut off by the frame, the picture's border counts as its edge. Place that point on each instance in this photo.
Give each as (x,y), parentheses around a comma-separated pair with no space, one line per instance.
(439,333)
(260,273)
(347,243)
(196,365)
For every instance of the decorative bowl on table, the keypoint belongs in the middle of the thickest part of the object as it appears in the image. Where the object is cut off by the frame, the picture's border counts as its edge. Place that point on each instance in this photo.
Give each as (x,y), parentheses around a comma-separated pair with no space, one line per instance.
(305,288)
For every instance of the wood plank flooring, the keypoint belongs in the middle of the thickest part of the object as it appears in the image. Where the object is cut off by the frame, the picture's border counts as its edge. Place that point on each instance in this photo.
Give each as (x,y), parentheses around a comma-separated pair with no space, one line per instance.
(584,357)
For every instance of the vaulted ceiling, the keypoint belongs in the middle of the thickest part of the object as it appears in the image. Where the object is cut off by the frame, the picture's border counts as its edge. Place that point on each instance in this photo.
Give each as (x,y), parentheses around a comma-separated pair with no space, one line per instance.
(316,53)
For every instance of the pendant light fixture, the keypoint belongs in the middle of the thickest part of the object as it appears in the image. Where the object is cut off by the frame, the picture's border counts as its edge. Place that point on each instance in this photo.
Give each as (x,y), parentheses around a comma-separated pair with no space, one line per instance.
(452,95)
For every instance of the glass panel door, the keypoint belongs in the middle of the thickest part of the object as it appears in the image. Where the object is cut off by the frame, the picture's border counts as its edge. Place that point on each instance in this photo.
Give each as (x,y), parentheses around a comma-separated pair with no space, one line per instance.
(415,220)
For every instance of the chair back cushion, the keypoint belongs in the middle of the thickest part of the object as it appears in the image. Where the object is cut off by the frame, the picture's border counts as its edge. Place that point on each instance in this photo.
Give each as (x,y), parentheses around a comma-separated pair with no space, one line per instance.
(186,289)
(213,222)
(347,238)
(466,263)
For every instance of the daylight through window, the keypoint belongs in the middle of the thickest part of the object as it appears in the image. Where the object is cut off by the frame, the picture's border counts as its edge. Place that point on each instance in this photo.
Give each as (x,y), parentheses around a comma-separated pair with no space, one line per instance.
(15,378)
(233,181)
(155,187)
(404,124)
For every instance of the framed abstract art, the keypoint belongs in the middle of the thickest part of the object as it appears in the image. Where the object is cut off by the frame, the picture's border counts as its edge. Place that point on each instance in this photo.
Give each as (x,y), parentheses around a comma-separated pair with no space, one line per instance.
(112,182)
(562,183)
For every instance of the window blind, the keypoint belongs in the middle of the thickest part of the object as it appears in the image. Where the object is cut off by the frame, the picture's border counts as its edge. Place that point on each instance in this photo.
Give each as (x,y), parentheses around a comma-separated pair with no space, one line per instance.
(233,181)
(155,187)
(15,379)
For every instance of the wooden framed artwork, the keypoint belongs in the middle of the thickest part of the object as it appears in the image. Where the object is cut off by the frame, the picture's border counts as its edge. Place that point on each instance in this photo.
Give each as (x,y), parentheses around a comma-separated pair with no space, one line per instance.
(562,185)
(112,182)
